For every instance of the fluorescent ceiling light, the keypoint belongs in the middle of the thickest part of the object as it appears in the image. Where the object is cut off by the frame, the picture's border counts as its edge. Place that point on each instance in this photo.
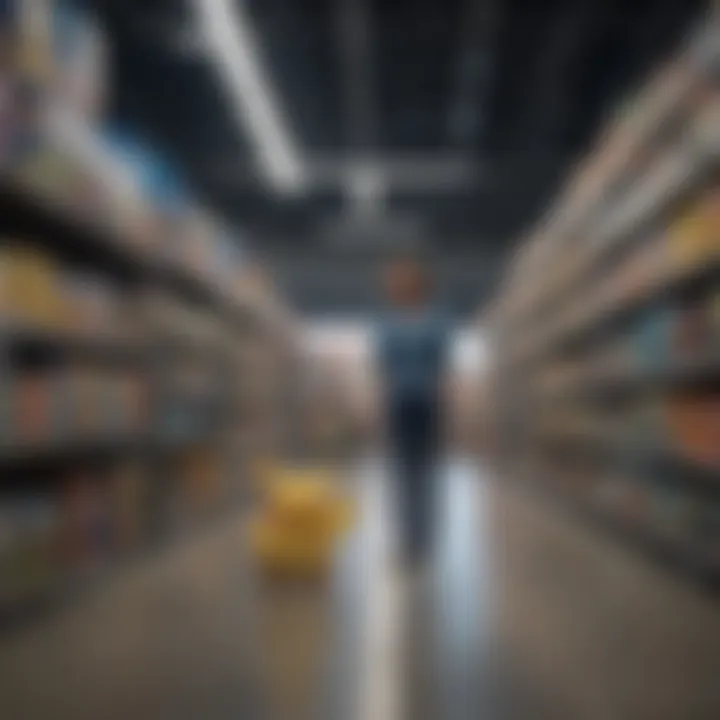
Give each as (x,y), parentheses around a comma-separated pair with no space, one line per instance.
(233,42)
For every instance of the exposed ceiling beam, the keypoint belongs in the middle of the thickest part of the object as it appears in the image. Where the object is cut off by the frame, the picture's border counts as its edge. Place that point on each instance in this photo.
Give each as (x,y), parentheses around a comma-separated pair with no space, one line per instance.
(479,20)
(405,172)
(364,182)
(552,81)
(356,55)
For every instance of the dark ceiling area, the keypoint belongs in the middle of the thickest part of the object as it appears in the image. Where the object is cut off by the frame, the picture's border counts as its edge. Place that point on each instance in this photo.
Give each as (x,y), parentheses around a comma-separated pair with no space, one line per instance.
(480,106)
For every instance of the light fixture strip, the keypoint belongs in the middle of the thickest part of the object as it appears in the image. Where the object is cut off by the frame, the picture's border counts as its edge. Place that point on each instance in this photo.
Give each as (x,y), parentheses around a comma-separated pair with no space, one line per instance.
(229,33)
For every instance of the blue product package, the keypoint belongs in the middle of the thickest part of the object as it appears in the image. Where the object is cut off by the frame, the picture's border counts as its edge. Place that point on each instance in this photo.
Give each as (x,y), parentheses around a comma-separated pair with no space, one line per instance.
(158,180)
(653,339)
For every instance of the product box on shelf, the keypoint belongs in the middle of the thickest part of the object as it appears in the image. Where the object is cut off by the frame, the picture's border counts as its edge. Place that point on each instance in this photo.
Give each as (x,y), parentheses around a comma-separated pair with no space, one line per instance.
(130,504)
(31,408)
(27,28)
(694,334)
(58,48)
(21,114)
(199,475)
(714,312)
(642,272)
(87,522)
(197,244)
(29,290)
(652,338)
(61,168)
(80,62)
(135,182)
(695,423)
(36,292)
(29,557)
(695,234)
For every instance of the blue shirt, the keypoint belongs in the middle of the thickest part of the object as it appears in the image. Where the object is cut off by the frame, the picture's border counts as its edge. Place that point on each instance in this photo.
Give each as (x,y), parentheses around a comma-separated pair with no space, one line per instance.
(412,354)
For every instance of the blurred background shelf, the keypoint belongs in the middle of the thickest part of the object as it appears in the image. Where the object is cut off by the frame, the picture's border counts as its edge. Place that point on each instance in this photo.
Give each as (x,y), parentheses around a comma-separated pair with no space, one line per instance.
(125,310)
(602,323)
(47,343)
(67,450)
(687,374)
(48,223)
(607,331)
(685,556)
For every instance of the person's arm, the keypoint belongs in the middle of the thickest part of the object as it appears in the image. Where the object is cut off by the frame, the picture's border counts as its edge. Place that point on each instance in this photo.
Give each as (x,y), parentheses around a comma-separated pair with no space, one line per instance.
(445,332)
(379,354)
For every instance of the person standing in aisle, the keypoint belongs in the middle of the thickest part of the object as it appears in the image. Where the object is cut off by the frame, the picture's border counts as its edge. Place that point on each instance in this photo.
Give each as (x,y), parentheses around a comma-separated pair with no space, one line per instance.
(412,356)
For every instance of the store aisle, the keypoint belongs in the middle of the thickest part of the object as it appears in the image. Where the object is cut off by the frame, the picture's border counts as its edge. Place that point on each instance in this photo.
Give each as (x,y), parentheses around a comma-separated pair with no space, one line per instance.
(190,634)
(536,617)
(600,630)
(166,639)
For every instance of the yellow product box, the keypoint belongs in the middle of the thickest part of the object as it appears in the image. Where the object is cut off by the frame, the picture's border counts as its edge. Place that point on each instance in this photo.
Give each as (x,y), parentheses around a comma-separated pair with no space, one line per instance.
(695,236)
(29,290)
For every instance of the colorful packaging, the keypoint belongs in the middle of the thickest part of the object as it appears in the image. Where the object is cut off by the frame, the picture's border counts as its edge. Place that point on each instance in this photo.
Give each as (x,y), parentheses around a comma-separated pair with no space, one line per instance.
(30,289)
(79,55)
(695,235)
(32,408)
(129,502)
(695,424)
(65,403)
(86,523)
(29,564)
(652,339)
(694,331)
(714,303)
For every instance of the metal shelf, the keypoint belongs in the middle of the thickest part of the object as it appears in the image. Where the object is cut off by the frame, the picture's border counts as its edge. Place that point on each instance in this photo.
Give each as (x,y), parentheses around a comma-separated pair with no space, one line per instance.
(63,450)
(687,373)
(652,456)
(682,555)
(50,225)
(40,342)
(620,312)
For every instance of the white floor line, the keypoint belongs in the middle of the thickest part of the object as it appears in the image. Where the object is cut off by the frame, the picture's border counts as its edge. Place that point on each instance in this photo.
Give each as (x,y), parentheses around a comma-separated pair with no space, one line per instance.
(381,662)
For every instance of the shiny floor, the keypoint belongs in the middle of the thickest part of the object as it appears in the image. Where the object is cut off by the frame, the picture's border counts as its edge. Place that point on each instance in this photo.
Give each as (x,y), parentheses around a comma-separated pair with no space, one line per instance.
(526,615)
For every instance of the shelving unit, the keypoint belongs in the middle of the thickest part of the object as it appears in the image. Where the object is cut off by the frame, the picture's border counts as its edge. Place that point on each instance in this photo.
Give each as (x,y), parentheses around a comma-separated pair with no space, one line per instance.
(605,392)
(121,326)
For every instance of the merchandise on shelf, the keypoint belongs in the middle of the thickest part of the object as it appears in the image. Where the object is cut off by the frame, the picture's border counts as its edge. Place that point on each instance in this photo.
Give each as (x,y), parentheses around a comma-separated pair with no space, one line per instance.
(714,313)
(693,337)
(29,534)
(695,235)
(28,291)
(53,45)
(198,245)
(652,339)
(87,531)
(51,406)
(695,423)
(130,502)
(37,293)
(175,323)
(31,409)
(608,328)
(80,66)
(160,273)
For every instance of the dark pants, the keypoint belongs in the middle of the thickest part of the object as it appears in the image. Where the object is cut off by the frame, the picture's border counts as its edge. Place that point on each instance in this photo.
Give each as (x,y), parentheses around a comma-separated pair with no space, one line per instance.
(415,440)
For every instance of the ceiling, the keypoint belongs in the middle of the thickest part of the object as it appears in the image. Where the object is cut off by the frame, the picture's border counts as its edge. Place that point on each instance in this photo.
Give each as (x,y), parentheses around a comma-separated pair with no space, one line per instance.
(475,109)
